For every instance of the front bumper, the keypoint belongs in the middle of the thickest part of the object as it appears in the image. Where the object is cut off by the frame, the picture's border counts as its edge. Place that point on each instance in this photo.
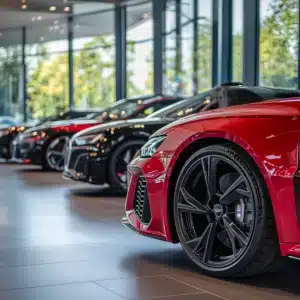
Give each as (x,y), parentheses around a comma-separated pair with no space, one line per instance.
(80,166)
(4,151)
(147,198)
(23,152)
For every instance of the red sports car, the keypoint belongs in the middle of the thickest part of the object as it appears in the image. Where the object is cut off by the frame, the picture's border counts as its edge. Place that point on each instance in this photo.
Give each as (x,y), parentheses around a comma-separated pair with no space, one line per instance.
(225,184)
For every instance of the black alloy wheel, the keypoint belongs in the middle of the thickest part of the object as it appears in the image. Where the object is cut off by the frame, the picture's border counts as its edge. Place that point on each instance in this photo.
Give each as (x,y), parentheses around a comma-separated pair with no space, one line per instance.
(223,215)
(119,161)
(55,154)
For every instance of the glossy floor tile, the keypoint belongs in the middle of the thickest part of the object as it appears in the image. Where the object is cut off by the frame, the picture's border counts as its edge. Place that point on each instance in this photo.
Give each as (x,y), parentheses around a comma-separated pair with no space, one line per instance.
(64,240)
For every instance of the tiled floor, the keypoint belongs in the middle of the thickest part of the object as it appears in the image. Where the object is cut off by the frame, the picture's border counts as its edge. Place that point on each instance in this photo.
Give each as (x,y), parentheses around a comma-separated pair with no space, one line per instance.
(62,240)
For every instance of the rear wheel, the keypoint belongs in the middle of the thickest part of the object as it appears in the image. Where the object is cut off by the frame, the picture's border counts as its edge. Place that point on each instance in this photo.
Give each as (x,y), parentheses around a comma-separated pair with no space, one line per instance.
(119,161)
(54,157)
(223,214)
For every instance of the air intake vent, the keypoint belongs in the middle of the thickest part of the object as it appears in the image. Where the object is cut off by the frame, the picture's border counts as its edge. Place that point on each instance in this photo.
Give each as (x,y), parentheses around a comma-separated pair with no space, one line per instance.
(141,202)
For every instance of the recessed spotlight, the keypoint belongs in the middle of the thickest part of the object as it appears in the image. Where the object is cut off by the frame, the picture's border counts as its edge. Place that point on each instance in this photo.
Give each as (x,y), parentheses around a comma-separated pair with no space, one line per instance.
(65,1)
(51,28)
(56,27)
(67,8)
(42,38)
(52,8)
(56,22)
(39,18)
(33,19)
(24,6)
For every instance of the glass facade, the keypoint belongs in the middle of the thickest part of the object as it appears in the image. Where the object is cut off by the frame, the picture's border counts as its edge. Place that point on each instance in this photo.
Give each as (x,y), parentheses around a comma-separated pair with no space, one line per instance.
(47,69)
(237,41)
(279,36)
(11,97)
(204,49)
(94,60)
(36,61)
(170,84)
(139,49)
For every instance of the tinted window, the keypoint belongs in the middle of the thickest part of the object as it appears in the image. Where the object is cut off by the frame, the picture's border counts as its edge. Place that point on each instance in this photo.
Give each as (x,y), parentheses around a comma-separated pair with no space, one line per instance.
(154,108)
(186,107)
(242,95)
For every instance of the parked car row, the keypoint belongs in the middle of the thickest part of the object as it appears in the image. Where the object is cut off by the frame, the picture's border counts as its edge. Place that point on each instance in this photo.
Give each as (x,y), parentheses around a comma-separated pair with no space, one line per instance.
(217,172)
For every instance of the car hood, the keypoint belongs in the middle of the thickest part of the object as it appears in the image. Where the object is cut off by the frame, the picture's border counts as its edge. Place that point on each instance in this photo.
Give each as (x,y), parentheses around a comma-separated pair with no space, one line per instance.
(122,124)
(273,108)
(67,123)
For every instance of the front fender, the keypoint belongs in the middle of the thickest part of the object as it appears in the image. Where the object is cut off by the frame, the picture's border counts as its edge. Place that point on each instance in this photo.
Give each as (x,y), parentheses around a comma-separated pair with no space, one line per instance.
(272,143)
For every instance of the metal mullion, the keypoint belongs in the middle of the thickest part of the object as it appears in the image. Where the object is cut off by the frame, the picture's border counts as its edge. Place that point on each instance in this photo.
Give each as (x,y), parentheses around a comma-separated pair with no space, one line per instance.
(24,74)
(71,62)
(195,49)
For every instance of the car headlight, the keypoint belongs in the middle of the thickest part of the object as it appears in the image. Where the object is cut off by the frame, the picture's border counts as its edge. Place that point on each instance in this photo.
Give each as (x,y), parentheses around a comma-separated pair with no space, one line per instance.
(151,146)
(89,139)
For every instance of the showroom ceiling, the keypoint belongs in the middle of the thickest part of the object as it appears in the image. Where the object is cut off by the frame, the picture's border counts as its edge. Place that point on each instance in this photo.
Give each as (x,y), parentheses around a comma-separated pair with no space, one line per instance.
(41,24)
(12,15)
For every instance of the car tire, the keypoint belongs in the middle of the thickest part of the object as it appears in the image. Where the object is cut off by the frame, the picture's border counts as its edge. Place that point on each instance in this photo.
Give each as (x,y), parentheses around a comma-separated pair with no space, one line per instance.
(258,240)
(113,178)
(61,142)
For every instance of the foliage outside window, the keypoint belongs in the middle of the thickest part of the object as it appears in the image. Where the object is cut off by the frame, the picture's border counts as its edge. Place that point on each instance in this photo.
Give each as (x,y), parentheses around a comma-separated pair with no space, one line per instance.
(279,35)
(47,69)
(170,81)
(237,39)
(10,74)
(94,60)
(187,46)
(139,50)
(204,52)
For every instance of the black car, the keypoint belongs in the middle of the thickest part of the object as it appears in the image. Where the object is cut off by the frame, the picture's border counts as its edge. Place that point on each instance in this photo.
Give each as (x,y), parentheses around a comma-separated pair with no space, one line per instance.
(7,135)
(100,154)
(45,145)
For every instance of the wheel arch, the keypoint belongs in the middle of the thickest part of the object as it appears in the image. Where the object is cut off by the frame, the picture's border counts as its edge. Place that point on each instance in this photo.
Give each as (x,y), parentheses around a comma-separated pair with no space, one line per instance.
(119,142)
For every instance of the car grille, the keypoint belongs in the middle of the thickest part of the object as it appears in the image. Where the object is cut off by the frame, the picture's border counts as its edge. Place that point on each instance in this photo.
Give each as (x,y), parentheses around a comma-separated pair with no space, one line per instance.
(141,202)
(76,161)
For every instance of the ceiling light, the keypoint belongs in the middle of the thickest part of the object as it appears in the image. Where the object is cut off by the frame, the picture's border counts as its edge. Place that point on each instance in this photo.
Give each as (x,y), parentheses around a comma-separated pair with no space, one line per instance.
(56,22)
(52,8)
(42,38)
(67,8)
(39,18)
(24,6)
(51,28)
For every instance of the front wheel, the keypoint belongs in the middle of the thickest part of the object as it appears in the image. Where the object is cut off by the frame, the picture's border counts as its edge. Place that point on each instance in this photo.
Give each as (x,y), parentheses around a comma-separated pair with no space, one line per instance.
(54,157)
(121,157)
(223,214)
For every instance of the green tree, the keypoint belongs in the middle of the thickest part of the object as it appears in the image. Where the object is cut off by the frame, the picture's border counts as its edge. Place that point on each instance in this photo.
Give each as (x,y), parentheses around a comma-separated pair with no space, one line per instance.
(278,44)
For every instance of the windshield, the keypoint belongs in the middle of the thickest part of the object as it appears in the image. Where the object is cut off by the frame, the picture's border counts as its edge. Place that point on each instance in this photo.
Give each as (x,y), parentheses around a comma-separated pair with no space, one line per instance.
(184,107)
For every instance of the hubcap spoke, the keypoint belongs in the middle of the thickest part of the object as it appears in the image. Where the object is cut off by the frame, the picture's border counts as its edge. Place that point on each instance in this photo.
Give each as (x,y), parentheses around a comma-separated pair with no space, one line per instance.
(228,197)
(55,153)
(209,167)
(192,206)
(235,232)
(205,241)
(211,233)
